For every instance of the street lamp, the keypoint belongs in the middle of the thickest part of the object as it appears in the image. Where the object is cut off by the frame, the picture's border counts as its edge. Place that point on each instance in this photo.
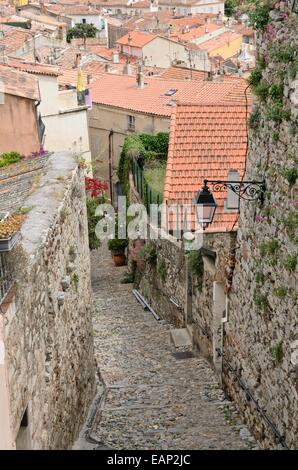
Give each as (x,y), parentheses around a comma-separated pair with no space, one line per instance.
(205,202)
(205,205)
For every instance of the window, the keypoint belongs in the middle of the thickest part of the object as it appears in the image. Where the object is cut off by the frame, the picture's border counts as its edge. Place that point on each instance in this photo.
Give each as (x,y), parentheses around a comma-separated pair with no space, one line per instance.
(131,123)
(171,92)
(84,20)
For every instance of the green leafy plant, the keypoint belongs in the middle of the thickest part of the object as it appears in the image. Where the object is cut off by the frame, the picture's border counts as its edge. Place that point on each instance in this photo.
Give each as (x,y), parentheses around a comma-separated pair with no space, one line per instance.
(269,248)
(24,210)
(260,277)
(283,53)
(262,90)
(291,224)
(196,266)
(255,77)
(277,113)
(261,301)
(290,174)
(293,69)
(290,262)
(93,219)
(117,245)
(277,353)
(280,292)
(148,253)
(276,91)
(81,30)
(9,158)
(259,17)
(75,279)
(254,119)
(162,269)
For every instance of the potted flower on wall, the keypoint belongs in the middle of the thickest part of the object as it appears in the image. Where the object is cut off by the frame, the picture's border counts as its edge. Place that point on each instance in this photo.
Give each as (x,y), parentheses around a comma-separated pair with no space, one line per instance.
(10,231)
(117,247)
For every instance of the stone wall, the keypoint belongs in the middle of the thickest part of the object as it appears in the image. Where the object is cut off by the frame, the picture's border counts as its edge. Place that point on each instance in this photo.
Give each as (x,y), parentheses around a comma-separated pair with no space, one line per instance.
(262,330)
(16,181)
(48,333)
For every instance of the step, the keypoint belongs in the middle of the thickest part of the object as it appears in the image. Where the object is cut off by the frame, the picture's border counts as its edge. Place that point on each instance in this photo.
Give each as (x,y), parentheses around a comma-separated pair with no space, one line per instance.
(181,338)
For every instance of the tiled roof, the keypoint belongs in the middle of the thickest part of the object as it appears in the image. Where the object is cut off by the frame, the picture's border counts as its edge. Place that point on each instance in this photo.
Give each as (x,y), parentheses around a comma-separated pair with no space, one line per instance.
(37,69)
(80,10)
(19,83)
(138,39)
(195,33)
(205,143)
(14,40)
(70,77)
(219,41)
(42,19)
(180,73)
(121,91)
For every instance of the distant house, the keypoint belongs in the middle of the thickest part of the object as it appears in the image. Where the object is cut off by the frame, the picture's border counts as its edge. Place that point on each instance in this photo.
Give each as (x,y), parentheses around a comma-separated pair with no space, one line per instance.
(19,97)
(154,50)
(122,105)
(66,123)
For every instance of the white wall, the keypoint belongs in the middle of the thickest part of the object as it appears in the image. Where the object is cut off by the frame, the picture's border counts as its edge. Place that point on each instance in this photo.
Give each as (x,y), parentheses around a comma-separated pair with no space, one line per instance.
(99,22)
(161,52)
(66,123)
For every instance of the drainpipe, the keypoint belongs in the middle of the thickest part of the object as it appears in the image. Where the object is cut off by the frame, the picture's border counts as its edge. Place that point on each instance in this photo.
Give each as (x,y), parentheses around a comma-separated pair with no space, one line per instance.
(110,163)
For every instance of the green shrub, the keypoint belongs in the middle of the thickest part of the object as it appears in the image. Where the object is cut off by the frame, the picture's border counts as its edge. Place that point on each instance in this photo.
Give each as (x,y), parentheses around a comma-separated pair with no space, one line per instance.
(262,90)
(148,253)
(277,112)
(261,301)
(117,245)
(283,53)
(260,277)
(259,17)
(9,158)
(196,266)
(153,146)
(276,91)
(162,269)
(255,77)
(276,352)
(281,292)
(269,248)
(290,262)
(293,69)
(291,224)
(92,204)
(254,119)
(290,174)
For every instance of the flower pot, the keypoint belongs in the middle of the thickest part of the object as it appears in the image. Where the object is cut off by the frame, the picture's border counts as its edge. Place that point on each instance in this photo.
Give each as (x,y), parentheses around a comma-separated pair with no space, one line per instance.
(119,258)
(7,244)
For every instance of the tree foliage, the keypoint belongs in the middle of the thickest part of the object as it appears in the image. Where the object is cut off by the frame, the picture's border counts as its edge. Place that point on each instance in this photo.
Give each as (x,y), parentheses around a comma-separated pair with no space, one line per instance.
(81,30)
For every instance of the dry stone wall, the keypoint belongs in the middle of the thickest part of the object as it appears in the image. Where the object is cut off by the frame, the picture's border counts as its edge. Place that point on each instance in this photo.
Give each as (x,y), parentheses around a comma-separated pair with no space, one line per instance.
(263,319)
(48,340)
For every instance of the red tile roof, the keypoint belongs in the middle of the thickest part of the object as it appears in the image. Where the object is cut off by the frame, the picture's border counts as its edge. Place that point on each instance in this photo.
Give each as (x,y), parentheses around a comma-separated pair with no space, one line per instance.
(205,143)
(219,41)
(14,82)
(195,33)
(121,91)
(14,40)
(181,73)
(138,39)
(37,69)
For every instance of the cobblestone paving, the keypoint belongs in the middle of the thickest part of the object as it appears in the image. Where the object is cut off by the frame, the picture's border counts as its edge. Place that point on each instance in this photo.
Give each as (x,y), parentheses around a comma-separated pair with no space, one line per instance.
(152,400)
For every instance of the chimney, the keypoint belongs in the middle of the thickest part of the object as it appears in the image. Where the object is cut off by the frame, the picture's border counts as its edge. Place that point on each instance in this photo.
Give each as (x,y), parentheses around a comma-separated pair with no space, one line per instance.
(3,56)
(127,69)
(140,76)
(206,29)
(43,10)
(107,67)
(115,57)
(129,41)
(78,59)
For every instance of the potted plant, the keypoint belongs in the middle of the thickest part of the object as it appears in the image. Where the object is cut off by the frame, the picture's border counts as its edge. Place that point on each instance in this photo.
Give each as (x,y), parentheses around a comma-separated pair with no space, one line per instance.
(117,247)
(10,231)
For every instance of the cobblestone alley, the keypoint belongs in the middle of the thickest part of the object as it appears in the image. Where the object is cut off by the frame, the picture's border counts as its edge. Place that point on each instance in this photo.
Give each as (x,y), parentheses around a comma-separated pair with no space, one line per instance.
(151,399)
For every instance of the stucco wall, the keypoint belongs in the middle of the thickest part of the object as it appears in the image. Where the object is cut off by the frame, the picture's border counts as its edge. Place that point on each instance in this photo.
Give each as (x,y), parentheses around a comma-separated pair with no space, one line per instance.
(18,125)
(48,340)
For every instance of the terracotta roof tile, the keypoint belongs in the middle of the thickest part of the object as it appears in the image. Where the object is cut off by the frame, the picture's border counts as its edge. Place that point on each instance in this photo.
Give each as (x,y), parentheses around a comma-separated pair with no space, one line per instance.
(14,82)
(205,143)
(121,91)
(138,39)
(14,40)
(219,41)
